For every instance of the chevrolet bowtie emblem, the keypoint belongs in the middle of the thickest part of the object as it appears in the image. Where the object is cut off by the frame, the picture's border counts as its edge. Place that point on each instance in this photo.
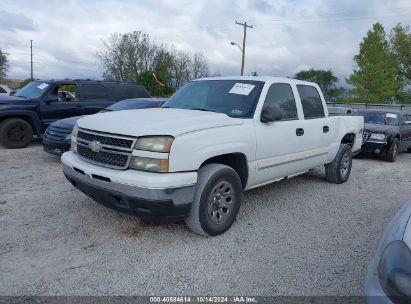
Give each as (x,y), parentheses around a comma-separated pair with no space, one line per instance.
(95,146)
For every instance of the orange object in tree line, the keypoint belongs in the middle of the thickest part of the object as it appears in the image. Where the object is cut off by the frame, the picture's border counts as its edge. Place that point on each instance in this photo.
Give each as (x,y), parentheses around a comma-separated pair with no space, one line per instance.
(156,80)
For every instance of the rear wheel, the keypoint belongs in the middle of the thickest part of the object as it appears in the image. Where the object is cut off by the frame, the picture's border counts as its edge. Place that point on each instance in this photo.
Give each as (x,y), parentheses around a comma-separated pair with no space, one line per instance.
(392,151)
(15,133)
(339,169)
(217,201)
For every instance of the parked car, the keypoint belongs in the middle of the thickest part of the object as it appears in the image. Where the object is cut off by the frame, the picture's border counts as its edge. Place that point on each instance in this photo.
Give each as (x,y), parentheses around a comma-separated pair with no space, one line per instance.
(387,132)
(340,110)
(389,274)
(39,103)
(193,157)
(57,138)
(5,90)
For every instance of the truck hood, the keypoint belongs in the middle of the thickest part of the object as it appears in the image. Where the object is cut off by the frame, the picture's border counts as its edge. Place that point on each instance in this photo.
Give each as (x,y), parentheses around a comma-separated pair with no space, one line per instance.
(157,121)
(378,128)
(13,100)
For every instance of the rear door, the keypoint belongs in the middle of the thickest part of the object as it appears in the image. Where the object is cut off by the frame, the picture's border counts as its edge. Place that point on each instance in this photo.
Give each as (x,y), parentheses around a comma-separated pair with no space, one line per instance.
(95,97)
(318,129)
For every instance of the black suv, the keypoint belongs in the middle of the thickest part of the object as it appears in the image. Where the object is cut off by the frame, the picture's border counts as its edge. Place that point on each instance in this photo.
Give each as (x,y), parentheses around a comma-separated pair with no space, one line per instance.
(386,133)
(39,103)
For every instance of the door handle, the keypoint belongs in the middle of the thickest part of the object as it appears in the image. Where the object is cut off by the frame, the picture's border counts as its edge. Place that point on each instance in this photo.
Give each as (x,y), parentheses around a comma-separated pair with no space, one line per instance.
(299,132)
(326,129)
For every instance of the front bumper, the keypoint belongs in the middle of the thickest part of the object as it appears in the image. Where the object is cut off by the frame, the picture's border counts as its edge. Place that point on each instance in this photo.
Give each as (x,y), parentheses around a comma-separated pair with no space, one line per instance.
(56,147)
(163,196)
(374,147)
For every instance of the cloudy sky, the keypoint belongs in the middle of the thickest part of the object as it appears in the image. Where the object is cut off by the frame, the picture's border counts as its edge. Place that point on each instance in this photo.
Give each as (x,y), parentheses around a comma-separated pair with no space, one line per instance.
(288,35)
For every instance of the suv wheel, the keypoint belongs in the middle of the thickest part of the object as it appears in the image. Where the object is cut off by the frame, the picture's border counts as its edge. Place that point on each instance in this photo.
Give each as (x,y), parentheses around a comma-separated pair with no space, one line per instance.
(339,169)
(15,133)
(393,151)
(217,201)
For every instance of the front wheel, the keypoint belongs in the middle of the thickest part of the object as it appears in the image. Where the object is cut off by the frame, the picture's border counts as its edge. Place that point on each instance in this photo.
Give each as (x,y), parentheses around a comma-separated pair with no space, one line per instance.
(339,169)
(392,151)
(217,201)
(15,133)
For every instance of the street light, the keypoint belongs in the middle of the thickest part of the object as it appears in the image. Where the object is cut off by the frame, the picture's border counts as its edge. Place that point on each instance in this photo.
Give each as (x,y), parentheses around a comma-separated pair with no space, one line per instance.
(242,52)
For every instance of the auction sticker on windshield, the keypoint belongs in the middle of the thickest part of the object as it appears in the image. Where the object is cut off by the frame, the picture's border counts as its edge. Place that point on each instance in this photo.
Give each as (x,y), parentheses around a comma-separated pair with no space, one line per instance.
(390,115)
(43,86)
(242,88)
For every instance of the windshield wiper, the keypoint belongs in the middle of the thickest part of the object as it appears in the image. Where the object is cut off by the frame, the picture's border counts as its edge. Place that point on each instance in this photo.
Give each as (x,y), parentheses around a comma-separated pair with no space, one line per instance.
(204,110)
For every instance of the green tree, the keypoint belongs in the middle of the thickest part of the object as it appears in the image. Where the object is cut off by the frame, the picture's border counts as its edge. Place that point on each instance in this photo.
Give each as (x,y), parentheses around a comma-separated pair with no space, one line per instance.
(400,41)
(375,79)
(325,79)
(155,89)
(4,65)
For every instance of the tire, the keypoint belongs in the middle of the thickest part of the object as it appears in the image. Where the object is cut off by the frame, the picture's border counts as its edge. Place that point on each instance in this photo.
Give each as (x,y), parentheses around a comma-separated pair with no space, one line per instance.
(15,133)
(339,169)
(392,151)
(207,216)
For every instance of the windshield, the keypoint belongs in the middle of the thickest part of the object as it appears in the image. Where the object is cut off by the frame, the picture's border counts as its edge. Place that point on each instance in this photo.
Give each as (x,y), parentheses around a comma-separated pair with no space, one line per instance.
(34,89)
(380,118)
(236,98)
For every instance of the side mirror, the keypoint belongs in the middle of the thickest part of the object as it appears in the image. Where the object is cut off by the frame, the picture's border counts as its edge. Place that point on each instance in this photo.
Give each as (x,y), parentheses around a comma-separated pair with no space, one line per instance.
(270,114)
(52,98)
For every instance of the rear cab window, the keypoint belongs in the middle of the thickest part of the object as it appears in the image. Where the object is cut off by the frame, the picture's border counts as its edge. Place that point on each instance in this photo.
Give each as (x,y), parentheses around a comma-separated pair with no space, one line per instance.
(128,91)
(311,102)
(95,92)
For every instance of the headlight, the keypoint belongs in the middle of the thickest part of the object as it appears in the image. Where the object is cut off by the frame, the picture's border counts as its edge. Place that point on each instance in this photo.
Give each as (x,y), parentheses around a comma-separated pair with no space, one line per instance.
(394,271)
(75,131)
(378,136)
(149,164)
(73,145)
(154,143)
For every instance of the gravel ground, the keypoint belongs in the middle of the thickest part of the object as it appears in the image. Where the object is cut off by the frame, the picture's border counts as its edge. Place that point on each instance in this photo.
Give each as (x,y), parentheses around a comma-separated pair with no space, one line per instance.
(302,236)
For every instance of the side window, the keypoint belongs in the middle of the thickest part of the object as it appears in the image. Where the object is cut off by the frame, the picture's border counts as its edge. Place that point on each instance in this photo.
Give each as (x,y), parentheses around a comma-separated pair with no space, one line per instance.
(280,95)
(66,92)
(95,92)
(311,102)
(2,90)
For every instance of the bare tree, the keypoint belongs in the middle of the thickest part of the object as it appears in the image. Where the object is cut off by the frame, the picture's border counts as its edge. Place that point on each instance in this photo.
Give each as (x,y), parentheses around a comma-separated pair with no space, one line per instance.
(127,56)
(199,66)
(181,69)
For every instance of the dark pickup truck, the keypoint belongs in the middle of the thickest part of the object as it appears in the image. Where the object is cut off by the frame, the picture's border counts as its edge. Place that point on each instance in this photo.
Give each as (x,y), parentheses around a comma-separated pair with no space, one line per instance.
(386,133)
(39,103)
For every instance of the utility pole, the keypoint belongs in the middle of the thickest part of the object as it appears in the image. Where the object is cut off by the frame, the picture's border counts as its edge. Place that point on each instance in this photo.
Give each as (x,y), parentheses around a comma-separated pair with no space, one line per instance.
(244,25)
(31,60)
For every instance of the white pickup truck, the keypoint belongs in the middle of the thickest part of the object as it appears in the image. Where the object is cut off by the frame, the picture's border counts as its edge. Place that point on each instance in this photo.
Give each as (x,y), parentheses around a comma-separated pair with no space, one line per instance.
(213,139)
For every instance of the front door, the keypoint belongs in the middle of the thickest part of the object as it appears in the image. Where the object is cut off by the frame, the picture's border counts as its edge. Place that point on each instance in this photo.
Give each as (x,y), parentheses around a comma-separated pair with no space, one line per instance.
(279,143)
(62,101)
(405,130)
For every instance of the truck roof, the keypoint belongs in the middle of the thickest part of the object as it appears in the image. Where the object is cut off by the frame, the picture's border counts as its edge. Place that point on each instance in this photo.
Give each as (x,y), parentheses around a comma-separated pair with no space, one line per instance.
(259,78)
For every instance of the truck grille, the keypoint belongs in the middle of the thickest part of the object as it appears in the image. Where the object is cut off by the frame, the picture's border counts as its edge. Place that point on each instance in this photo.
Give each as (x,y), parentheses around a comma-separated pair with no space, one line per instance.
(110,141)
(106,150)
(365,136)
